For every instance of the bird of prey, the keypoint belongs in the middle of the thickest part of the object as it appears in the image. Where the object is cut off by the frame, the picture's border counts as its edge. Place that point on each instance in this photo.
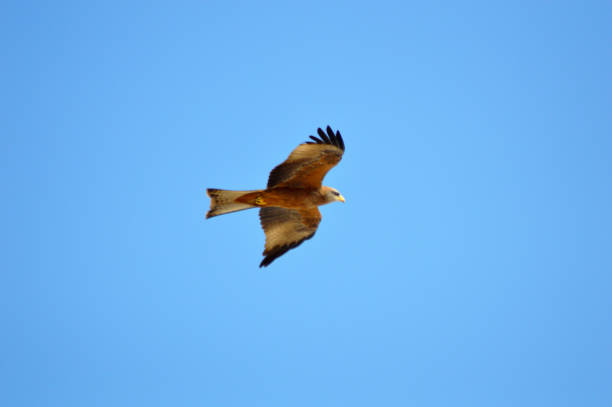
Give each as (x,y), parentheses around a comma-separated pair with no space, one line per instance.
(289,212)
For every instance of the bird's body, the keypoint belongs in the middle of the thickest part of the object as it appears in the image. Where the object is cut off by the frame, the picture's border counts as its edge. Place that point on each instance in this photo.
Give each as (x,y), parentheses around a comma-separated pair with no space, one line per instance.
(289,211)
(286,197)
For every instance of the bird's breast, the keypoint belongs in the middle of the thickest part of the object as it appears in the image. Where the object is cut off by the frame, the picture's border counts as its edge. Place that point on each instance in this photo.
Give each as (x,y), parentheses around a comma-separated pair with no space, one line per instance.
(292,198)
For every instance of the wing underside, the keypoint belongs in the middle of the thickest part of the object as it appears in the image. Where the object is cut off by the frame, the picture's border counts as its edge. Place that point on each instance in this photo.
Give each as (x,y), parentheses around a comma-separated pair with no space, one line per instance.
(286,229)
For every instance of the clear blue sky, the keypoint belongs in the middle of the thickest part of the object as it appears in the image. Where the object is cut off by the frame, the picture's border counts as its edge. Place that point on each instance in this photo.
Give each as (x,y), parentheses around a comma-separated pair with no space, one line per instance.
(470,266)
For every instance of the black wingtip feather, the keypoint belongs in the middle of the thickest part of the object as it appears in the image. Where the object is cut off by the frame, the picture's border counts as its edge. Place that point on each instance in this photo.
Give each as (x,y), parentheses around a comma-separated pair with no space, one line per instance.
(332,137)
(340,141)
(276,253)
(329,138)
(323,136)
(279,251)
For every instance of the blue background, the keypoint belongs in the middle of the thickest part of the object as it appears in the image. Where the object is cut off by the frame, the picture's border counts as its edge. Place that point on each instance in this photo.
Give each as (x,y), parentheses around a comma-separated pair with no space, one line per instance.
(470,265)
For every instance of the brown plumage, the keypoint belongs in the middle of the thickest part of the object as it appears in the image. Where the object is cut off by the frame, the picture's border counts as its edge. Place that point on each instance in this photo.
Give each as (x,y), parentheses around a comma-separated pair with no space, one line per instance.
(289,211)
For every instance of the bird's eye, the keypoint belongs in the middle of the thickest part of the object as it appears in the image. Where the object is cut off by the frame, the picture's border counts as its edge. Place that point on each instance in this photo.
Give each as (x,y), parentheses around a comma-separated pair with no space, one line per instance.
(336,193)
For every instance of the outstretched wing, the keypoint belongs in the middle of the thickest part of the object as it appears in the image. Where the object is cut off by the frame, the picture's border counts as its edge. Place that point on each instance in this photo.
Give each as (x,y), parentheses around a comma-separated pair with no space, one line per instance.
(309,162)
(286,229)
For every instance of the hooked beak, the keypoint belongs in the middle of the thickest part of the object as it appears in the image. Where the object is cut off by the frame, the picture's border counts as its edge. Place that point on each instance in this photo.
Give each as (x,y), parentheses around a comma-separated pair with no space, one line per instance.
(340,198)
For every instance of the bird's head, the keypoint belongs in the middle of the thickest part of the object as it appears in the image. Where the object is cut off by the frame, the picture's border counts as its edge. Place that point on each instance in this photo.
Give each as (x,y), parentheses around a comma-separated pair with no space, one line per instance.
(332,195)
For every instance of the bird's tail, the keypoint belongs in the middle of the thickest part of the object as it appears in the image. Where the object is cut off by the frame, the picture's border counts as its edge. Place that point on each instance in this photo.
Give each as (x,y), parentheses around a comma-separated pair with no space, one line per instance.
(223,201)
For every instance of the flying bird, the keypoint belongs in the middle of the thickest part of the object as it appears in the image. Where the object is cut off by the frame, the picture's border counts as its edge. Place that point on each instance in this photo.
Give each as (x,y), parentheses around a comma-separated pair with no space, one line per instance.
(289,212)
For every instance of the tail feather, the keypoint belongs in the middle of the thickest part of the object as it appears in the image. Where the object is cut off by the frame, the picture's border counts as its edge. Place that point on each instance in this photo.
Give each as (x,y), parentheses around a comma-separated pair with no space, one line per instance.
(224,201)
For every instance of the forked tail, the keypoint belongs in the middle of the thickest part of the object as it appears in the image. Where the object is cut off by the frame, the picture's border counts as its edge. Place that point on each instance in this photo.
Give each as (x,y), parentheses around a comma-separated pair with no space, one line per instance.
(223,201)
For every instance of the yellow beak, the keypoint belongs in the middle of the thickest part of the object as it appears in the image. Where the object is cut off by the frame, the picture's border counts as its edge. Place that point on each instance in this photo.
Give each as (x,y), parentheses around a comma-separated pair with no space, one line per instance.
(340,198)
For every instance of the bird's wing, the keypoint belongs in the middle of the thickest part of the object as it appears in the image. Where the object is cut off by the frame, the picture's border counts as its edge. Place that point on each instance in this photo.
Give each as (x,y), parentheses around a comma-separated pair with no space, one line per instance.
(309,162)
(286,229)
